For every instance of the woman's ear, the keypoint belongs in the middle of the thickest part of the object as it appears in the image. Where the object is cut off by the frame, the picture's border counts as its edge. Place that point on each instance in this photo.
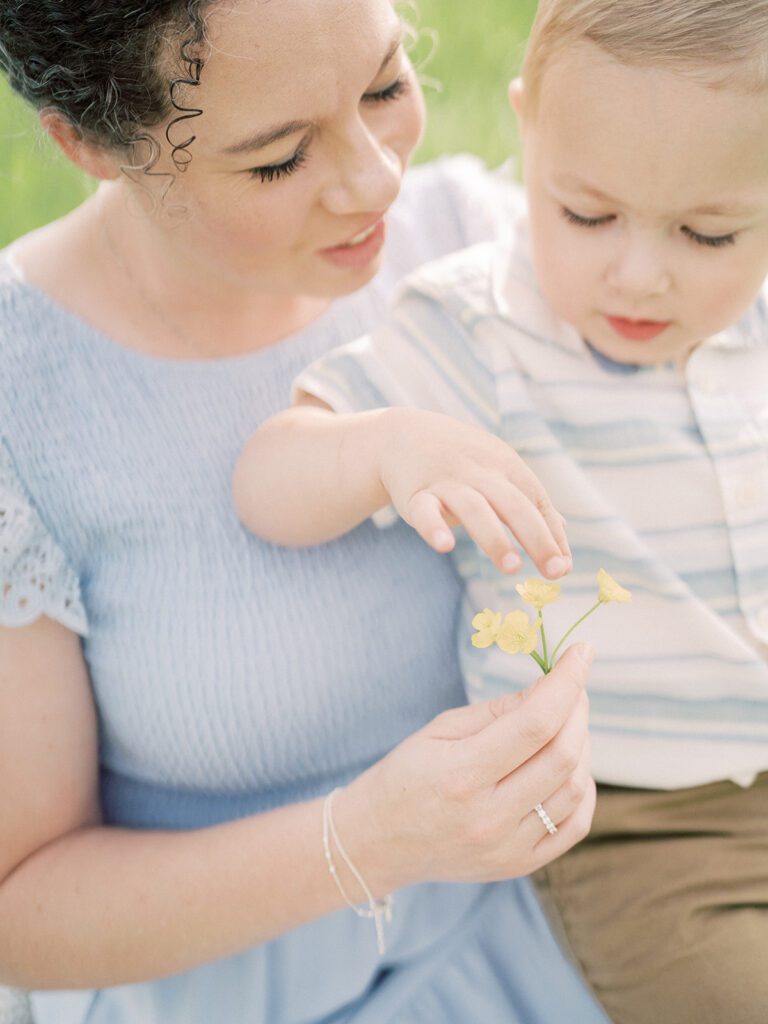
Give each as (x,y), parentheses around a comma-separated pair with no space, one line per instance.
(93,160)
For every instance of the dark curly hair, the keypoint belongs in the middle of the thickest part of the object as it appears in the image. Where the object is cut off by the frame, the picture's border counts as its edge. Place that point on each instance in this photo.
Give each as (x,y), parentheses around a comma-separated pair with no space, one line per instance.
(105,65)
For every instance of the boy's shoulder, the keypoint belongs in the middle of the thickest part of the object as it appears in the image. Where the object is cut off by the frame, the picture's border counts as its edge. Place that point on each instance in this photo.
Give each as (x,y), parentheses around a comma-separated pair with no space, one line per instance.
(472,282)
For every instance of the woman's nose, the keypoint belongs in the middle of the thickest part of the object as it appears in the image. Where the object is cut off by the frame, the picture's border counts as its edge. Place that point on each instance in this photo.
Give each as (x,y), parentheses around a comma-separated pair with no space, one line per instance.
(638,269)
(369,173)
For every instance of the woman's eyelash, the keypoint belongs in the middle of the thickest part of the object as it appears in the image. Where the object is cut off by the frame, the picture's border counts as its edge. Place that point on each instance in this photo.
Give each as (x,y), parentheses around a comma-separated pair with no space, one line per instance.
(583,222)
(394,91)
(272,172)
(713,241)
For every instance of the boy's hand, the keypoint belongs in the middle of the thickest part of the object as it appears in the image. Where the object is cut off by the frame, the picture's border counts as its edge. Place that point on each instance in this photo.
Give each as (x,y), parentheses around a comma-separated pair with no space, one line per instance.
(440,472)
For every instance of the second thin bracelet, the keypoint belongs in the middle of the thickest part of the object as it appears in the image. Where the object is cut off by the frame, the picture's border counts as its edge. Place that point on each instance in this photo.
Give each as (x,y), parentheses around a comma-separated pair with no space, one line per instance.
(377,910)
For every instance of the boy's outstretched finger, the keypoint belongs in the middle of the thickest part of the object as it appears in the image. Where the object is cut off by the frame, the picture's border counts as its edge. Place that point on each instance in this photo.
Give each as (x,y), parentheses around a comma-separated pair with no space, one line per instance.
(544,541)
(472,509)
(426,515)
(511,739)
(520,475)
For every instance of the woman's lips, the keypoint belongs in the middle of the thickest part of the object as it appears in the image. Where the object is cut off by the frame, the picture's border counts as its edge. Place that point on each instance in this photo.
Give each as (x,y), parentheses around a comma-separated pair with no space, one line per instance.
(637,330)
(360,250)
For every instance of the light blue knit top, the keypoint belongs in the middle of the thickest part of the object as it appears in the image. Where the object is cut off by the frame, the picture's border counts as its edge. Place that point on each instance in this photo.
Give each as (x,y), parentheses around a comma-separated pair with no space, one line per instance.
(231,676)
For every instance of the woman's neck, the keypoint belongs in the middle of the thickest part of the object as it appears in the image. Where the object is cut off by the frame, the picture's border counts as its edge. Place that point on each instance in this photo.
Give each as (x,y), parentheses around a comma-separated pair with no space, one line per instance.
(113,269)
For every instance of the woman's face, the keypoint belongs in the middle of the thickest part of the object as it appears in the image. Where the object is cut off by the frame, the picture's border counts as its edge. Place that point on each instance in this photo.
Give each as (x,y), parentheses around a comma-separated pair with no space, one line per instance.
(311,110)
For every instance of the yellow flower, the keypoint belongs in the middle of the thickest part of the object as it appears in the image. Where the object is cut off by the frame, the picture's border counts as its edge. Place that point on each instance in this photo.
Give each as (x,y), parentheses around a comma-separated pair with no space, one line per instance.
(518,634)
(487,623)
(538,592)
(609,590)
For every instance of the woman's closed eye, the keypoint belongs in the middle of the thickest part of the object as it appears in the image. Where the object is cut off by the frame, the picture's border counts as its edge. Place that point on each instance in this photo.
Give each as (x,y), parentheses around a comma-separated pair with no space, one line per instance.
(273,172)
(393,91)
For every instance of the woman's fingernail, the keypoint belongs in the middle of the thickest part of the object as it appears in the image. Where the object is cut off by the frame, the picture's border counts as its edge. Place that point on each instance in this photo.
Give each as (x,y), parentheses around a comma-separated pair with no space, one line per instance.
(511,562)
(443,539)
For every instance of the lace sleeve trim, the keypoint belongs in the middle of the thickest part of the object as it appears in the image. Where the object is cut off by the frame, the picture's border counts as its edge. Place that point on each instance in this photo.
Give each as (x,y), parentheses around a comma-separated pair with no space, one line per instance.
(35,578)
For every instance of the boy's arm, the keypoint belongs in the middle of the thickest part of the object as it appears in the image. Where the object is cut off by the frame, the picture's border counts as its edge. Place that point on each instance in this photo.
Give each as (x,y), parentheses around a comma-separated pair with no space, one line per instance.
(309,475)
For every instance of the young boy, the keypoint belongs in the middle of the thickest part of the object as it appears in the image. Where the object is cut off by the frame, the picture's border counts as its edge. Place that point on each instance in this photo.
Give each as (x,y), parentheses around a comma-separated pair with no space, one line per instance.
(620,344)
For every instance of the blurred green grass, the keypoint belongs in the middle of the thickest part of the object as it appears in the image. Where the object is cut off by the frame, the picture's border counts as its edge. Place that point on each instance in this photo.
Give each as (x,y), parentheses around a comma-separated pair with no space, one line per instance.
(479,48)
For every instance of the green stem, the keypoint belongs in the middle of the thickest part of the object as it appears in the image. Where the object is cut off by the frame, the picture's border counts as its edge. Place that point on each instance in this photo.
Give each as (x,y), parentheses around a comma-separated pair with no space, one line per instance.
(540,661)
(547,666)
(576,623)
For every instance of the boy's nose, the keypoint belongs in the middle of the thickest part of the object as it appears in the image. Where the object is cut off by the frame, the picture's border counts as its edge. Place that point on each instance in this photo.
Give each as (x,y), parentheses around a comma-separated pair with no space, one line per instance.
(638,270)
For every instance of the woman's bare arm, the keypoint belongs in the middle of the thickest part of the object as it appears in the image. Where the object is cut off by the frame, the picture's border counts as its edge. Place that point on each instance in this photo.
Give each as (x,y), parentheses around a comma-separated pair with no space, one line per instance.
(83,905)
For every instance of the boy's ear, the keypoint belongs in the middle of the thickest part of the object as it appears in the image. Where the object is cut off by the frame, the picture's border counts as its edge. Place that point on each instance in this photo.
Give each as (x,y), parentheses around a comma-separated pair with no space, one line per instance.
(93,160)
(515,93)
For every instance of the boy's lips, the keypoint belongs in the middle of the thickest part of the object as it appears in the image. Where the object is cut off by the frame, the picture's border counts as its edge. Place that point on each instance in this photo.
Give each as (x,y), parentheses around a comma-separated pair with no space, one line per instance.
(637,330)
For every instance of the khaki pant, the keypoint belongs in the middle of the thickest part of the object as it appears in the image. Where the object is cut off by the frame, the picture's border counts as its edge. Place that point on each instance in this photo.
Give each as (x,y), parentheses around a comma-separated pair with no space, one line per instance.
(664,907)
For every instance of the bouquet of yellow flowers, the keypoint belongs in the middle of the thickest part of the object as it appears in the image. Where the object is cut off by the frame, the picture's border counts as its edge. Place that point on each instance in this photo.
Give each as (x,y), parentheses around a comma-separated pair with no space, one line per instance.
(515,632)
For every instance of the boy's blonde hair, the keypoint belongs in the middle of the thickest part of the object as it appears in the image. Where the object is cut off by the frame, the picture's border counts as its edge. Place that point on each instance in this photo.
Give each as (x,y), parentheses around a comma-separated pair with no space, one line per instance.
(724,43)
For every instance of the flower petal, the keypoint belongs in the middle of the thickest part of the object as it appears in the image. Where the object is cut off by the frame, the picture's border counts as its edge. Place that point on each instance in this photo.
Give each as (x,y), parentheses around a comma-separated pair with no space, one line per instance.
(538,593)
(609,590)
(487,624)
(518,634)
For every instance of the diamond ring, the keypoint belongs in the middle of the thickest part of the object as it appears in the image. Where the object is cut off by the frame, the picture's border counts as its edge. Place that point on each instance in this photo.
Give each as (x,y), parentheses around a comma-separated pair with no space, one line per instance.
(546,821)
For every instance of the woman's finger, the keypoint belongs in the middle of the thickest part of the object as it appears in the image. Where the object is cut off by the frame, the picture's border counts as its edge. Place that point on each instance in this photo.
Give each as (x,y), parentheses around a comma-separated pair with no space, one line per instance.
(562,766)
(561,803)
(570,831)
(513,738)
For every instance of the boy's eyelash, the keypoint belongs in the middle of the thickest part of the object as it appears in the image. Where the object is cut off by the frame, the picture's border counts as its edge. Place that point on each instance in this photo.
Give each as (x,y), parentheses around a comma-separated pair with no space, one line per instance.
(713,241)
(584,222)
(394,91)
(273,172)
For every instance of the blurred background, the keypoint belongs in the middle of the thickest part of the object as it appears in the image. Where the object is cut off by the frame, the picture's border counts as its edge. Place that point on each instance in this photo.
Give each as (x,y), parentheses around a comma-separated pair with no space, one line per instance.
(477,45)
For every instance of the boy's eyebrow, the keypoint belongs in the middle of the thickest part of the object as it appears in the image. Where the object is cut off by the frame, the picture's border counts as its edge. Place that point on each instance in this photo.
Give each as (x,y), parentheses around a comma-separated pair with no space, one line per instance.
(725,209)
(265,138)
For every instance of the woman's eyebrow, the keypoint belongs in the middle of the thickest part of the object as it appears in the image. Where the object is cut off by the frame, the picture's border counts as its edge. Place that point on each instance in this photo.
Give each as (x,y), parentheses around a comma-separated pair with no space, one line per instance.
(394,46)
(266,137)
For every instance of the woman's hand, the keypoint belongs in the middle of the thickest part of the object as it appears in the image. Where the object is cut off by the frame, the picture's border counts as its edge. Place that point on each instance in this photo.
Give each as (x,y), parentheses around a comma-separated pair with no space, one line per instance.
(455,801)
(440,472)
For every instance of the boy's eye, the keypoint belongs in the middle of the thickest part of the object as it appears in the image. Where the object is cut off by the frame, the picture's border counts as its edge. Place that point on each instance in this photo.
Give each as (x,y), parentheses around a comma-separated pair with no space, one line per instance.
(272,172)
(584,222)
(713,241)
(393,91)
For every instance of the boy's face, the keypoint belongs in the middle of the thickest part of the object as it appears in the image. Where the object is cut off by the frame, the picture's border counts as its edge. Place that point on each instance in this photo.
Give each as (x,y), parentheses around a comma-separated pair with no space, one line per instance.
(648,197)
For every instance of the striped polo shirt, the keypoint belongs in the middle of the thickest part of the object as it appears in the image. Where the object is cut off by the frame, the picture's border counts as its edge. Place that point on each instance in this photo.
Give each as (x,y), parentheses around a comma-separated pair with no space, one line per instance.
(662,475)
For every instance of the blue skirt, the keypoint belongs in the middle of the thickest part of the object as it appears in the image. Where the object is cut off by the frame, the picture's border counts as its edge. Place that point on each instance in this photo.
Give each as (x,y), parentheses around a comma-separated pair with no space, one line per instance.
(456,954)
